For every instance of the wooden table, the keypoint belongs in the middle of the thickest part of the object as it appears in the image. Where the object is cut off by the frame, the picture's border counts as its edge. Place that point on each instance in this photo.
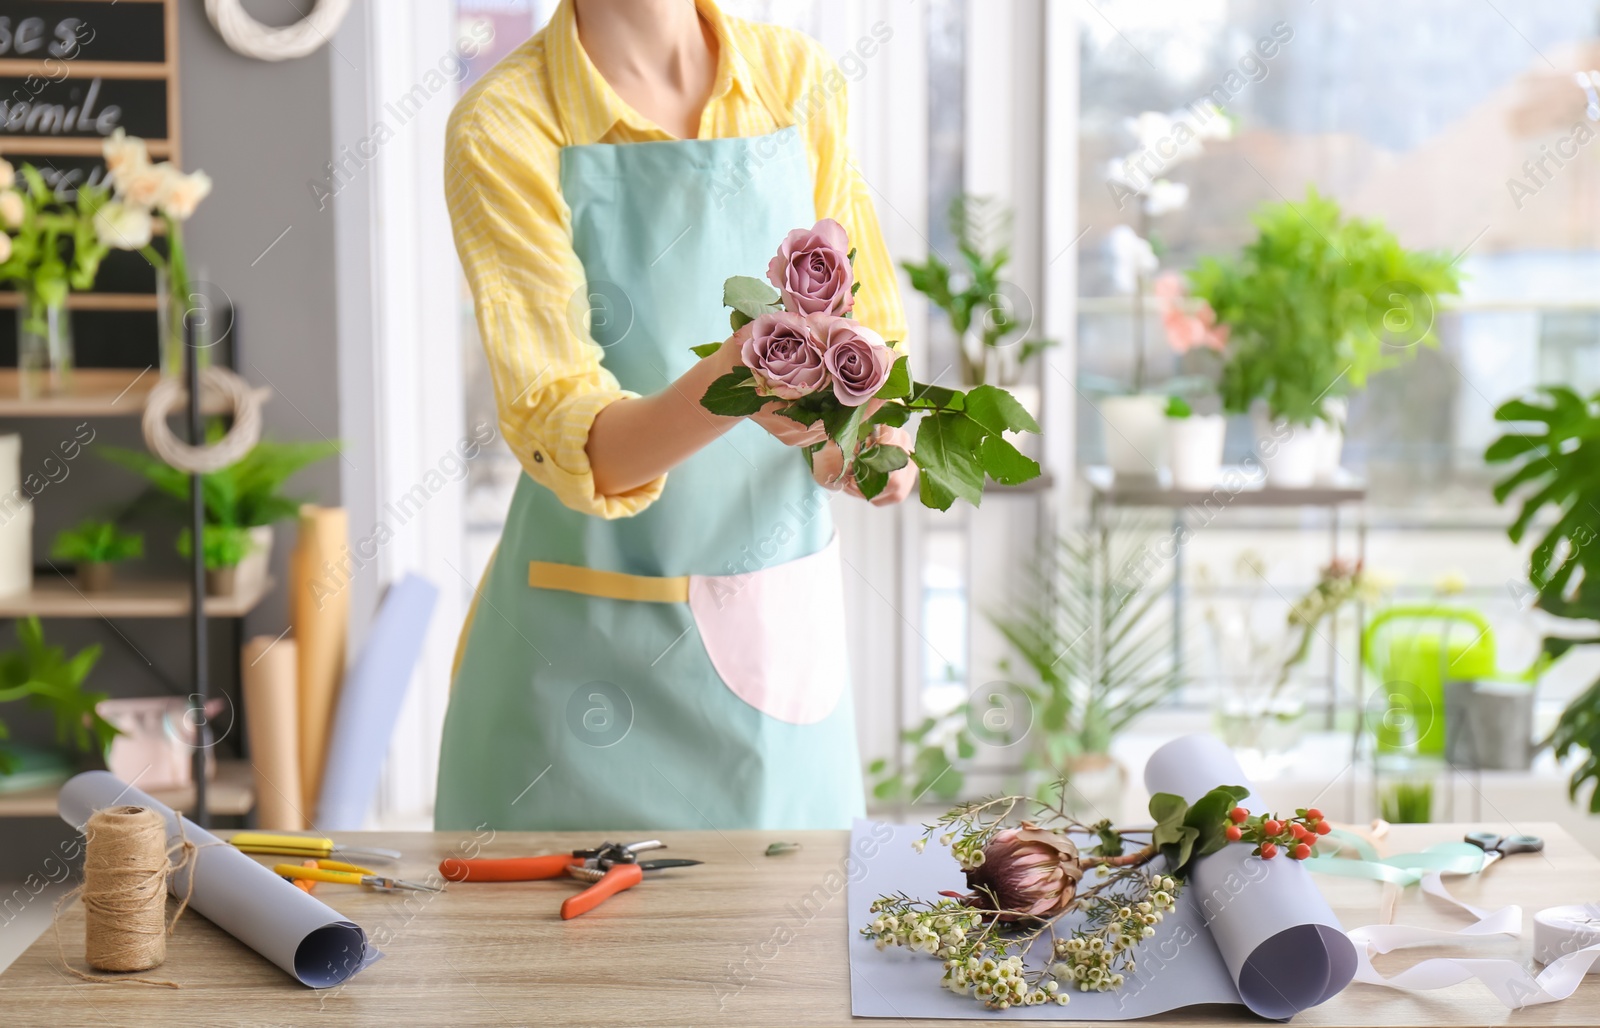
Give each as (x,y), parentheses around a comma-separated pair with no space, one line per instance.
(746,939)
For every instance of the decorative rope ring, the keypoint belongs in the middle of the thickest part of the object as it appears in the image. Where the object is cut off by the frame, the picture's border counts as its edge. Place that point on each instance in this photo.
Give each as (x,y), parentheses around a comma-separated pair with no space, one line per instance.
(265,43)
(245,401)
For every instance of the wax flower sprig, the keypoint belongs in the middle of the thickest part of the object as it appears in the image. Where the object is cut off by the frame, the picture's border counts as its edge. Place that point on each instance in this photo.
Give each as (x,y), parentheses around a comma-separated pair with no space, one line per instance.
(1031,866)
(804,356)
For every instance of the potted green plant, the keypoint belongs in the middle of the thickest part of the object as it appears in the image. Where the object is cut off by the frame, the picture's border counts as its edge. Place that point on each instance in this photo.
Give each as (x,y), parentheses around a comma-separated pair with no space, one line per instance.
(48,248)
(1555,456)
(1091,638)
(96,547)
(49,680)
(223,547)
(979,300)
(246,495)
(1316,305)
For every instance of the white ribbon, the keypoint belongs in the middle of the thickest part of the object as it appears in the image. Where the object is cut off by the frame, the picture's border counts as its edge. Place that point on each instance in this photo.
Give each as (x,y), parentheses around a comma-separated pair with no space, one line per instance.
(1512,984)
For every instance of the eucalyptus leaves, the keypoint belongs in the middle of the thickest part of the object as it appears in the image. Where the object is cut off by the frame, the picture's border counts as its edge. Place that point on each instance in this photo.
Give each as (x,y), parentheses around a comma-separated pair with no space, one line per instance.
(802,351)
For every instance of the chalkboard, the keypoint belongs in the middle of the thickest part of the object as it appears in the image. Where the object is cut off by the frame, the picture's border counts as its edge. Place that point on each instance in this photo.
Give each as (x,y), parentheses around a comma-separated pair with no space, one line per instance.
(71,73)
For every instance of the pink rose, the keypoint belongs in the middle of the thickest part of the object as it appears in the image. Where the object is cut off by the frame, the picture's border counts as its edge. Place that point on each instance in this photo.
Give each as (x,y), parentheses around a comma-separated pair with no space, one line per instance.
(812,270)
(1186,330)
(857,358)
(784,352)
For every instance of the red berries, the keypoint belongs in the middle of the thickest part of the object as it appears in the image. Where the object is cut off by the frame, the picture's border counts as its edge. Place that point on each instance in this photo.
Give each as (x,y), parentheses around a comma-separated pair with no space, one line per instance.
(1234,833)
(1322,828)
(1268,851)
(1313,814)
(1272,827)
(1237,815)
(1300,852)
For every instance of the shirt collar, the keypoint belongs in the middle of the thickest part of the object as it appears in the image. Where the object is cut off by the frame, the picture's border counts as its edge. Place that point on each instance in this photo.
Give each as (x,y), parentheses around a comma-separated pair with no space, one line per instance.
(595,108)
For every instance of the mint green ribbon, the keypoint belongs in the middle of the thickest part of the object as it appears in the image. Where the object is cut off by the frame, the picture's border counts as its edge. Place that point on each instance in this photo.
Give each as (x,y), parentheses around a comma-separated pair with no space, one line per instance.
(1402,869)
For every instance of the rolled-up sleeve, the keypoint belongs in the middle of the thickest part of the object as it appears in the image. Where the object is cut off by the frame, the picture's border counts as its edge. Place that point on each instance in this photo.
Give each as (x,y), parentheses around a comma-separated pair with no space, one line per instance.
(513,235)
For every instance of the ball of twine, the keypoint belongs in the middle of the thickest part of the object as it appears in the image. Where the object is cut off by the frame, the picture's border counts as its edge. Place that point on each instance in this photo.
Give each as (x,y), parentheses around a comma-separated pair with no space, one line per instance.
(126,866)
(245,401)
(125,890)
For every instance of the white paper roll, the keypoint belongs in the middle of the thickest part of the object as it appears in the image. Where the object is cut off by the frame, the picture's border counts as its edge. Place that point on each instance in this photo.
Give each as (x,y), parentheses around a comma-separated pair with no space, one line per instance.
(1276,932)
(299,933)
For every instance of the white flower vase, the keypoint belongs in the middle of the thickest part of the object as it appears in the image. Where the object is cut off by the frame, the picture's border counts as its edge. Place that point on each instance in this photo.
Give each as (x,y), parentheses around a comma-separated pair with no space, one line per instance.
(1194,450)
(251,574)
(1331,439)
(1135,434)
(1291,454)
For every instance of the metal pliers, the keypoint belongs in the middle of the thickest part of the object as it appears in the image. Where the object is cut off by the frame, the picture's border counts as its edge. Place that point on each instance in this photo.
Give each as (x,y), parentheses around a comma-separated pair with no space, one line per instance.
(610,867)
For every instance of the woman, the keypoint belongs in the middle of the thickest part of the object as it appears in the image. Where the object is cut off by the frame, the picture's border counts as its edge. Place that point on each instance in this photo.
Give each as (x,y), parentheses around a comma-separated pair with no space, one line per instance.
(658,641)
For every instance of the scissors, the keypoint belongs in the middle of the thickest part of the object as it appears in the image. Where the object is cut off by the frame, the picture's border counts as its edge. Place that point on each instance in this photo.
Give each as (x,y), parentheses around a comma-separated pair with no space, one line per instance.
(1495,845)
(346,874)
(610,867)
(304,846)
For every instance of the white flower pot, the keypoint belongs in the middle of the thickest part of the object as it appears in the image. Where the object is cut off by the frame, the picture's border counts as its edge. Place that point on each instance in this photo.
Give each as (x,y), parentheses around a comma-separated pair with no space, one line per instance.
(1135,433)
(1194,450)
(250,574)
(1331,439)
(1291,454)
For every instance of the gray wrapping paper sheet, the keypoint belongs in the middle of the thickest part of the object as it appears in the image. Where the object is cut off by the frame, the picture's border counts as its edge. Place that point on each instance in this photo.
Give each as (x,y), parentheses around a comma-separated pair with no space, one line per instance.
(1246,931)
(299,933)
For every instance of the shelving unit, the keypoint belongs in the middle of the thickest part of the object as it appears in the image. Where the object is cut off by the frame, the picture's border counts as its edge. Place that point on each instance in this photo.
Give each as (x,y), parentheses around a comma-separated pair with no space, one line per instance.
(61,598)
(113,392)
(230,792)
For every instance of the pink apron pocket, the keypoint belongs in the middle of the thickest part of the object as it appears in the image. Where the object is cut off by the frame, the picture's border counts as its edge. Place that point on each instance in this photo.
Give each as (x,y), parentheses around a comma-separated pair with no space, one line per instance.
(776,636)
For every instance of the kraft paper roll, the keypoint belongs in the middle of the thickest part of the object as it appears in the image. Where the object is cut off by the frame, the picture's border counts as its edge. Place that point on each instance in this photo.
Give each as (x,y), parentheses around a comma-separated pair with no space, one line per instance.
(319,606)
(270,674)
(310,940)
(16,521)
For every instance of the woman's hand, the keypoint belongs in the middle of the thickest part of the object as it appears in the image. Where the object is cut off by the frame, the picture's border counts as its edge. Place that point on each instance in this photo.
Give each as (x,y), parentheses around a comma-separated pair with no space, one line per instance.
(829,461)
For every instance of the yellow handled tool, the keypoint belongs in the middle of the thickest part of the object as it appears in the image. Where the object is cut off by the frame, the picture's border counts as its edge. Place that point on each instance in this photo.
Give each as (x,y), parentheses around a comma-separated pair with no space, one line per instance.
(304,846)
(327,874)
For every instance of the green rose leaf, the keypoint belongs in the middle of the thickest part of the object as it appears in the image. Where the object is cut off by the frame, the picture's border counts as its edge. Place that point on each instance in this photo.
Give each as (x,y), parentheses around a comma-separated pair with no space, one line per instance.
(998,411)
(804,415)
(882,458)
(844,426)
(899,382)
(1005,463)
(932,397)
(734,395)
(871,483)
(947,454)
(892,414)
(705,349)
(750,297)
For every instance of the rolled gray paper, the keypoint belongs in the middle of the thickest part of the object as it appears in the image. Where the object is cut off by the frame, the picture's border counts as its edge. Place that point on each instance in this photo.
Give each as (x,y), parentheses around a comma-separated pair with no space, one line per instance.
(301,934)
(1275,931)
(369,704)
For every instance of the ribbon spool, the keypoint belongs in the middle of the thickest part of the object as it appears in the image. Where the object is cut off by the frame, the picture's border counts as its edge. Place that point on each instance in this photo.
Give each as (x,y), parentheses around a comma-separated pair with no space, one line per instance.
(125,870)
(245,401)
(1559,931)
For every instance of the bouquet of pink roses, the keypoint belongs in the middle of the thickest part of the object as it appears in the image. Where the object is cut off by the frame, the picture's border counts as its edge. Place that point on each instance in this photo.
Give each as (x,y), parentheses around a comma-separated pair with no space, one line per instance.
(806,351)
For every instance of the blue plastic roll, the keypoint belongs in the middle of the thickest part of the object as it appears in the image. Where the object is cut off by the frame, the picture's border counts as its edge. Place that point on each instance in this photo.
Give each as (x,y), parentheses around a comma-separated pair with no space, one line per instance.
(369,704)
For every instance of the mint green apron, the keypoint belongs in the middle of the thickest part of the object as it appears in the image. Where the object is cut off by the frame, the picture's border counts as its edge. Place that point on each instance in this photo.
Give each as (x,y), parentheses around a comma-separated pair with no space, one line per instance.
(722,701)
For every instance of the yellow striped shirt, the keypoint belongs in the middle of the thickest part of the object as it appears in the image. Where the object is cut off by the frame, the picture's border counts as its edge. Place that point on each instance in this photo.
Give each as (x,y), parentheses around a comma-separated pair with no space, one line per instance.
(514,235)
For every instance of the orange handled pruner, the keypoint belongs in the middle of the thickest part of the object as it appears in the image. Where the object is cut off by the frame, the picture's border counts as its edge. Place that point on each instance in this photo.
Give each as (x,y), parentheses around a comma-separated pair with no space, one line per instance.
(610,868)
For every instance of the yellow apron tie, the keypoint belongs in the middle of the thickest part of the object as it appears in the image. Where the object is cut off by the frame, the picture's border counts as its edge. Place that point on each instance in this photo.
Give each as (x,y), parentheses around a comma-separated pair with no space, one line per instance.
(609,585)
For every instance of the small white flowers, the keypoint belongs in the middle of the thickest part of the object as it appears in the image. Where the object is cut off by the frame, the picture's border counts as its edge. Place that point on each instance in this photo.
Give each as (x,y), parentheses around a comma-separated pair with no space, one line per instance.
(12,208)
(1132,258)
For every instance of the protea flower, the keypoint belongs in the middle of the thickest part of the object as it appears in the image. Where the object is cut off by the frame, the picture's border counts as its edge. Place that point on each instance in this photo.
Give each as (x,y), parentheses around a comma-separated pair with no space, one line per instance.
(1026,872)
